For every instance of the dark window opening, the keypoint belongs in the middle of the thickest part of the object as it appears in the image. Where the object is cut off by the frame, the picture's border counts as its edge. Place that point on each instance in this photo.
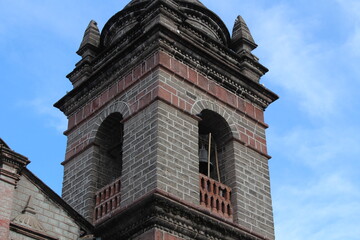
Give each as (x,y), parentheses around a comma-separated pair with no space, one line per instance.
(109,139)
(214,133)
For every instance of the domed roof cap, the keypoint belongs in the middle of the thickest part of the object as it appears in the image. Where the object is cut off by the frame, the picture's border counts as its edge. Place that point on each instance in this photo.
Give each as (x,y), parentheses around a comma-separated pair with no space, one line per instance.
(198,15)
(134,2)
(121,22)
(205,20)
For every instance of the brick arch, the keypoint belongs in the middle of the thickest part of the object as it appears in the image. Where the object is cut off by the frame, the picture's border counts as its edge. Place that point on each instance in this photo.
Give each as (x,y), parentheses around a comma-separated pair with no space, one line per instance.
(117,107)
(201,105)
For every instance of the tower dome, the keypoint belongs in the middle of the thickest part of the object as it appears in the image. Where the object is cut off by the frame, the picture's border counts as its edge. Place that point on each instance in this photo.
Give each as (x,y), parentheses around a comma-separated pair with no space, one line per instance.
(196,15)
(138,1)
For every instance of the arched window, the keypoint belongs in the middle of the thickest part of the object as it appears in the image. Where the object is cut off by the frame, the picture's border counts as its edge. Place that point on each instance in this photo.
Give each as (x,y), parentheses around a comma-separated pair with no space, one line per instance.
(109,141)
(214,138)
(214,134)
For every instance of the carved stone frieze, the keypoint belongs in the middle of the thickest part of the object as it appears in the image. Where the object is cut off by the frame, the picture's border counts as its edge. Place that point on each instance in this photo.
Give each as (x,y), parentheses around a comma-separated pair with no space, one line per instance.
(13,160)
(161,211)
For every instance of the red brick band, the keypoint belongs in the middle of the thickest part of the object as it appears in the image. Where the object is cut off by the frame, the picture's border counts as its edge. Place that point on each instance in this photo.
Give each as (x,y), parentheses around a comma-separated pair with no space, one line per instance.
(162,91)
(161,59)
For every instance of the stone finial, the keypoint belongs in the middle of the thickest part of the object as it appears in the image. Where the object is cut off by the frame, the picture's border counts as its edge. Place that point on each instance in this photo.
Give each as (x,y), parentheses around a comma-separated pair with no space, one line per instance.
(241,37)
(91,41)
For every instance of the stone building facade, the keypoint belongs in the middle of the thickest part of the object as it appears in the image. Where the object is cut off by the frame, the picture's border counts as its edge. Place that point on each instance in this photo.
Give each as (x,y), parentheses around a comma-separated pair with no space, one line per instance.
(162,82)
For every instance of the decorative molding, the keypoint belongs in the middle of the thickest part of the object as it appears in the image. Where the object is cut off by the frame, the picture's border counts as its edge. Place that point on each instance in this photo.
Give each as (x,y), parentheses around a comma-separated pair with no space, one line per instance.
(210,72)
(20,229)
(105,73)
(11,164)
(161,210)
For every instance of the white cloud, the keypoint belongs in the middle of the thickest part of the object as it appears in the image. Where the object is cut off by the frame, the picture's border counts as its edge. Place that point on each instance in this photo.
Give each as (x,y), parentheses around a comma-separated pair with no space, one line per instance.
(51,116)
(315,147)
(326,207)
(298,63)
(352,8)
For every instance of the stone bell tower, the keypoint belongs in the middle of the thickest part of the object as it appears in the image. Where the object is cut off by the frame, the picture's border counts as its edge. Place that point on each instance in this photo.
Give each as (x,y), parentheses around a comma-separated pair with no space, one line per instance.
(166,132)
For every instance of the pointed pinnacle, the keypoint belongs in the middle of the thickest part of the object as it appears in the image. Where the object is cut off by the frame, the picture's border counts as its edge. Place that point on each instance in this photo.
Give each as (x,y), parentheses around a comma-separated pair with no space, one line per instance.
(91,37)
(241,36)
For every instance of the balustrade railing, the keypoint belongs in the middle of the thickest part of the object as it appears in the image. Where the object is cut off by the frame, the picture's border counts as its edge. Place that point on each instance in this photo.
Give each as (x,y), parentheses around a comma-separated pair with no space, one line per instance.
(107,199)
(215,196)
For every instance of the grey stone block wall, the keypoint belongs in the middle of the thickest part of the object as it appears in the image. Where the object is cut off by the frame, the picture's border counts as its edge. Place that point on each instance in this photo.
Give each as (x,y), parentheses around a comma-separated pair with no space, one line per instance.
(140,154)
(177,159)
(83,174)
(251,194)
(243,169)
(53,218)
(80,182)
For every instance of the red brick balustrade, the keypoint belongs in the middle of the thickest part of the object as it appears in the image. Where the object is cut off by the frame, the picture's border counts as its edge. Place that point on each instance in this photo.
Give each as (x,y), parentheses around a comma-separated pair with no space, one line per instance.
(215,196)
(107,199)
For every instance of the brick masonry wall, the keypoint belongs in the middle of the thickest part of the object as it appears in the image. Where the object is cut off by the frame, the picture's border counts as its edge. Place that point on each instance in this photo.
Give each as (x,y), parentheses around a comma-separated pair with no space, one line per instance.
(52,217)
(159,100)
(177,159)
(83,119)
(80,119)
(139,161)
(6,200)
(80,181)
(81,170)
(245,161)
(252,192)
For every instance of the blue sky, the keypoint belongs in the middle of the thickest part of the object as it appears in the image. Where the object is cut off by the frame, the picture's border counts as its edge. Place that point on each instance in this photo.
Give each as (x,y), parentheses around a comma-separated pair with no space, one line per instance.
(312,49)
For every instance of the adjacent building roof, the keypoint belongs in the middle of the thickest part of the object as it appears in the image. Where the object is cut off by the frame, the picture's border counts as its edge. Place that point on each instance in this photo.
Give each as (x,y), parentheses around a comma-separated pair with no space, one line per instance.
(3,144)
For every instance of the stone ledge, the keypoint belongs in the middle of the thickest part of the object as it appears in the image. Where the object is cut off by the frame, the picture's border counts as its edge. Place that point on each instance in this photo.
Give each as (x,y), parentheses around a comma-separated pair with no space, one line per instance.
(166,212)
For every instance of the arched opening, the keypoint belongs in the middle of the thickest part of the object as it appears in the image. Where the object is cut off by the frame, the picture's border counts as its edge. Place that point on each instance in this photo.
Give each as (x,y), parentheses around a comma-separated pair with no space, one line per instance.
(214,133)
(214,138)
(109,141)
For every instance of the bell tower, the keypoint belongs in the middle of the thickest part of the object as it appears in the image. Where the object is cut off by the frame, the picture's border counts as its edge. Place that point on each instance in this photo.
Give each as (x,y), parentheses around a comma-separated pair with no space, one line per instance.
(166,131)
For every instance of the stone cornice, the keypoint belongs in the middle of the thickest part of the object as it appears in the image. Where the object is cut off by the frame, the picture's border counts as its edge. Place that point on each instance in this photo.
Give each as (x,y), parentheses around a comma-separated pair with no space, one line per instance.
(217,68)
(202,53)
(163,211)
(12,159)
